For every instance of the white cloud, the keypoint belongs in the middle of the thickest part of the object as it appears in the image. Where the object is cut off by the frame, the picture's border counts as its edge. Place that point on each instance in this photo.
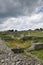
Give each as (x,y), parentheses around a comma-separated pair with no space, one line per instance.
(24,22)
(21,14)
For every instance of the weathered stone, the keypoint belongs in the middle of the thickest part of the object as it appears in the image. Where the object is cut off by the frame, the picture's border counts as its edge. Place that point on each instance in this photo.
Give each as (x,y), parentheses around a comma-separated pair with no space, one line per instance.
(17,50)
(35,46)
(7,57)
(39,46)
(2,61)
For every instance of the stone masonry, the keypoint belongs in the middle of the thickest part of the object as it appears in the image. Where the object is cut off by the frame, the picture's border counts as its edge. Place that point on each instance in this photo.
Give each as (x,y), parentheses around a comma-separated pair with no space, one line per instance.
(7,57)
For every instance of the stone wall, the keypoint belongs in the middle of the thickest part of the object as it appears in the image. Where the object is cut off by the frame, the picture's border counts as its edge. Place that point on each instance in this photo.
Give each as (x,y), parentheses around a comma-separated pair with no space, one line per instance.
(39,46)
(17,50)
(7,57)
(35,46)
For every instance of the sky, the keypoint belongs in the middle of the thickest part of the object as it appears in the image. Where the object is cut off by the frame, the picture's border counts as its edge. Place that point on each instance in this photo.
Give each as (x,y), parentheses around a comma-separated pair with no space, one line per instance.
(21,14)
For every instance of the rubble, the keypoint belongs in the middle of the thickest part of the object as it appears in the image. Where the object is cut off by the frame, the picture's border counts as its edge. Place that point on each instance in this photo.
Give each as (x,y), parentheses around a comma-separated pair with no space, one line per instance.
(7,57)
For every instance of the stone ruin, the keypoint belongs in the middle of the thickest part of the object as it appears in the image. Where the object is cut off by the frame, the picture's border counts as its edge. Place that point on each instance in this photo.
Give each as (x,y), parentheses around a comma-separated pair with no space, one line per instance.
(35,46)
(7,57)
(39,46)
(17,50)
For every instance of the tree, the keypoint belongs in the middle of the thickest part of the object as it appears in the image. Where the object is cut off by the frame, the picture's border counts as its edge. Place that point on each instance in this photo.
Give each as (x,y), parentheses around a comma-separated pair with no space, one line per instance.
(41,29)
(15,30)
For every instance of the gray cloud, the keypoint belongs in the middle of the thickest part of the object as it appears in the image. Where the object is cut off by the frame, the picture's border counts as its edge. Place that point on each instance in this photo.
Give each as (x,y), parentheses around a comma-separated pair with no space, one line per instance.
(19,8)
(15,8)
(23,23)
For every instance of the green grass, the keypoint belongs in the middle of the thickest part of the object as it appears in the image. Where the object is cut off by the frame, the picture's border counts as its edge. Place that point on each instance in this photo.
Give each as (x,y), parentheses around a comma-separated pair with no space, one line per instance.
(36,33)
(38,39)
(16,44)
(38,53)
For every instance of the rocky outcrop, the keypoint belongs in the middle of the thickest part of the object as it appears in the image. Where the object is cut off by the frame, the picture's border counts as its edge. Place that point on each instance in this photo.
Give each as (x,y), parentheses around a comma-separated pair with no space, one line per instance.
(35,46)
(39,46)
(7,57)
(17,50)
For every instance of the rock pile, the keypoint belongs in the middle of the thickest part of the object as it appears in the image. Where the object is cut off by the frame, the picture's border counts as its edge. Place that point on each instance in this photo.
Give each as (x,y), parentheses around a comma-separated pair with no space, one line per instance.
(7,57)
(14,59)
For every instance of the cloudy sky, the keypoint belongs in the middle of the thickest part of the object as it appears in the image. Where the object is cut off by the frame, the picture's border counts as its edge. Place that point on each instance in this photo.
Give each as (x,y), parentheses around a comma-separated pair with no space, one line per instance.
(21,14)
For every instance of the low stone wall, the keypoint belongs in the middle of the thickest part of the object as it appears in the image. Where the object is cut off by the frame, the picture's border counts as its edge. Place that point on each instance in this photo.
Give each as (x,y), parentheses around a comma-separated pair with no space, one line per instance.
(35,46)
(39,46)
(17,50)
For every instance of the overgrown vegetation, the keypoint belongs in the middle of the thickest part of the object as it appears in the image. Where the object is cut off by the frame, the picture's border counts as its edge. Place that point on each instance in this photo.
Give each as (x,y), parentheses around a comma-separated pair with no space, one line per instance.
(23,39)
